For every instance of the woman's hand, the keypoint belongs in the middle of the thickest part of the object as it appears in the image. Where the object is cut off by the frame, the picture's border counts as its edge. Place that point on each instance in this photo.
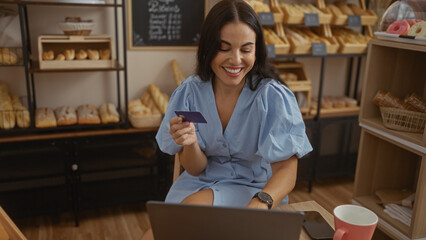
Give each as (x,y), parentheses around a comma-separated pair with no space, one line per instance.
(183,133)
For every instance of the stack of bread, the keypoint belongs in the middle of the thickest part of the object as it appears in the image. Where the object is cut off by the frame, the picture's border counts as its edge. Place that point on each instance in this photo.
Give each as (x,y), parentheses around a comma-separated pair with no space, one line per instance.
(299,9)
(258,6)
(12,112)
(347,9)
(271,37)
(71,54)
(349,36)
(147,111)
(334,102)
(301,36)
(8,56)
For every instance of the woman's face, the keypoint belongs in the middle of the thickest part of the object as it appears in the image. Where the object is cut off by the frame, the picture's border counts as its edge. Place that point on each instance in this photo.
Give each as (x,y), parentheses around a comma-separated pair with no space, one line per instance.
(236,55)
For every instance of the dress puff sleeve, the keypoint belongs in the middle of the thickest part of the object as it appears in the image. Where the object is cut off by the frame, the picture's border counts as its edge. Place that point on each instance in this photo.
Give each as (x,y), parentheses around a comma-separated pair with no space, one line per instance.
(282,130)
(181,100)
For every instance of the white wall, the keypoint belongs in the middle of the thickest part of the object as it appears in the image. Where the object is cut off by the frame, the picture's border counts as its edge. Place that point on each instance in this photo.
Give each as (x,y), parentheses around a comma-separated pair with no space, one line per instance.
(144,66)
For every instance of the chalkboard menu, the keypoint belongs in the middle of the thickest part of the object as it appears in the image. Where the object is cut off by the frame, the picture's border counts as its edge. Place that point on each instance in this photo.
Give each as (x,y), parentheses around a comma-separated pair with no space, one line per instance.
(165,23)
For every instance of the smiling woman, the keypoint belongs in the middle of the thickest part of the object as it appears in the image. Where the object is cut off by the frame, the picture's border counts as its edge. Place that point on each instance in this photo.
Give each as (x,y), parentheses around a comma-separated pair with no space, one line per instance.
(246,154)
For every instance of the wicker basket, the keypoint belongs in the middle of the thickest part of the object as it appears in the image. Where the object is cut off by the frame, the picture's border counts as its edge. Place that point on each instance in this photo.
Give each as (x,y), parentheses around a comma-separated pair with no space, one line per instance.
(144,121)
(403,120)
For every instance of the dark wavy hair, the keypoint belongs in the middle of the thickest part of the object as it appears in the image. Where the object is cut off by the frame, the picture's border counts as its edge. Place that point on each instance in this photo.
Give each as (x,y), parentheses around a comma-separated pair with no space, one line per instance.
(224,12)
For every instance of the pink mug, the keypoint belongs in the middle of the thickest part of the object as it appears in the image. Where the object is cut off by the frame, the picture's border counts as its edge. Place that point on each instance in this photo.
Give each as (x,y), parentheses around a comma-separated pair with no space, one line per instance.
(354,222)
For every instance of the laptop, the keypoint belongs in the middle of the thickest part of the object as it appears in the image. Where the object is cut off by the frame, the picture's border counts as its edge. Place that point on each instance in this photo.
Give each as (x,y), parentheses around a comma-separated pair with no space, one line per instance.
(195,222)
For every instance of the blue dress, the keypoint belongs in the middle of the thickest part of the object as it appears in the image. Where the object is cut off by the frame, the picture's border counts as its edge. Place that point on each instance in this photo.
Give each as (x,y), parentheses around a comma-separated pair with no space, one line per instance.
(265,127)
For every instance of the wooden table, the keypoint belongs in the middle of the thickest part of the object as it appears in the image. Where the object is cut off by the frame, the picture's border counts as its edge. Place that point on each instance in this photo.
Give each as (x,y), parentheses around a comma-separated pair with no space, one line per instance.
(8,229)
(309,206)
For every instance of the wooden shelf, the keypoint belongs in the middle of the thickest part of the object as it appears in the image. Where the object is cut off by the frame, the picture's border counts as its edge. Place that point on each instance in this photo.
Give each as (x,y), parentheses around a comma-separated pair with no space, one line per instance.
(386,222)
(413,141)
(36,69)
(337,112)
(391,159)
(38,136)
(56,3)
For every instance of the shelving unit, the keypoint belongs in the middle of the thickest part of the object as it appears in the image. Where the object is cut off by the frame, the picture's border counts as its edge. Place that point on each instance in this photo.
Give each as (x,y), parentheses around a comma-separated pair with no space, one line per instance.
(390,159)
(77,167)
(32,66)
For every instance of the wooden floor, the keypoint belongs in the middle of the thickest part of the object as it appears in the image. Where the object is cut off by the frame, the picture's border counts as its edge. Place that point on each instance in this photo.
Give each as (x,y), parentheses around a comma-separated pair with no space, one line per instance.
(129,222)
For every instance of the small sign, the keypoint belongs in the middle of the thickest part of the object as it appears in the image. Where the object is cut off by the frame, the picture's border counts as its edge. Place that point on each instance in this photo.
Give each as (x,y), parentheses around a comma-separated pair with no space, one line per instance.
(354,21)
(266,18)
(319,49)
(406,36)
(311,20)
(270,50)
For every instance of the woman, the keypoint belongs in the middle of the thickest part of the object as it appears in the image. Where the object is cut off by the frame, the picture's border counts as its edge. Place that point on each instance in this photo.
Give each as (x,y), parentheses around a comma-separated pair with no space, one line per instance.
(246,154)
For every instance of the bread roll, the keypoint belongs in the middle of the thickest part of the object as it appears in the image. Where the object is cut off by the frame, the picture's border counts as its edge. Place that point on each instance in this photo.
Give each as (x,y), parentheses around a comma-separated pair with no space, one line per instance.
(48,55)
(22,118)
(81,55)
(93,54)
(45,118)
(105,54)
(69,54)
(60,57)
(66,115)
(136,108)
(88,114)
(109,113)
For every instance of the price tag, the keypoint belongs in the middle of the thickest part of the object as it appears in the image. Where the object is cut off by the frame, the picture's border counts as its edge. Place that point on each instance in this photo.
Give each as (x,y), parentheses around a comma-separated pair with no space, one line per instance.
(266,18)
(311,19)
(270,50)
(319,49)
(354,21)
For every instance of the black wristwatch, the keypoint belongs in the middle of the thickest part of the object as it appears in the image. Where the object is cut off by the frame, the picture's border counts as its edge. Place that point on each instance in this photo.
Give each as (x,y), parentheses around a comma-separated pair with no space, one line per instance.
(264,197)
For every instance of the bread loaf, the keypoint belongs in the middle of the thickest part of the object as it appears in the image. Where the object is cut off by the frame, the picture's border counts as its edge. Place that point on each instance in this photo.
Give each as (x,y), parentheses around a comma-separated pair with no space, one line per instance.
(45,118)
(159,98)
(109,113)
(81,55)
(177,72)
(105,54)
(66,115)
(60,57)
(48,55)
(416,102)
(88,114)
(21,113)
(149,102)
(136,108)
(69,54)
(93,54)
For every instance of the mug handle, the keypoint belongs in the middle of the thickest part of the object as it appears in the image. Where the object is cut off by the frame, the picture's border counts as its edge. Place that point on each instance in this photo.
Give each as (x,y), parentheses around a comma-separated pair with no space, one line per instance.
(339,233)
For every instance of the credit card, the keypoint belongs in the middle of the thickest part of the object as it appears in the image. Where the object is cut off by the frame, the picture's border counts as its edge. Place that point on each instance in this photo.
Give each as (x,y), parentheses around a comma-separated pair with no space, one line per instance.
(189,116)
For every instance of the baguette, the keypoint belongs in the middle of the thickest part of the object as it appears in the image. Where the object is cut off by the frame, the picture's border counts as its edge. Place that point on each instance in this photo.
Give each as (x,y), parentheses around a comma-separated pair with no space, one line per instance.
(159,98)
(177,72)
(149,102)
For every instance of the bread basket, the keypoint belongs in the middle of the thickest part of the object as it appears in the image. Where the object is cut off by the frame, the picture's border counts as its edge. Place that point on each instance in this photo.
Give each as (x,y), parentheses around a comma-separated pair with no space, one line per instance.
(143,121)
(76,28)
(403,120)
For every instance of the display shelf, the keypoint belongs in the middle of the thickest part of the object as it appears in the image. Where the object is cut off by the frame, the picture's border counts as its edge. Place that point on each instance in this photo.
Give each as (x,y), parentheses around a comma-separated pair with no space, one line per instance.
(36,69)
(411,140)
(336,112)
(391,159)
(387,224)
(56,3)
